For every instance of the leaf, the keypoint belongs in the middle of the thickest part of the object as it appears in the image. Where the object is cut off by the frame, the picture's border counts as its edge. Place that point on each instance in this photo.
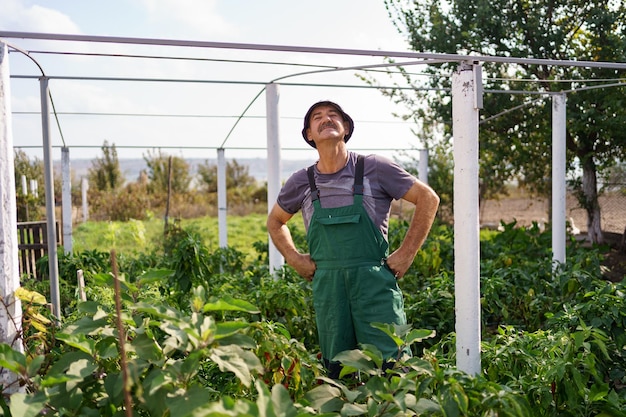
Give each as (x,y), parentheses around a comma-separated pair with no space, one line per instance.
(147,348)
(24,405)
(113,386)
(64,362)
(396,332)
(325,398)
(103,279)
(283,404)
(107,348)
(154,275)
(78,341)
(161,311)
(30,297)
(229,328)
(231,304)
(417,335)
(82,368)
(11,359)
(425,405)
(40,322)
(356,359)
(598,392)
(353,409)
(89,307)
(264,400)
(87,326)
(234,359)
(34,365)
(187,404)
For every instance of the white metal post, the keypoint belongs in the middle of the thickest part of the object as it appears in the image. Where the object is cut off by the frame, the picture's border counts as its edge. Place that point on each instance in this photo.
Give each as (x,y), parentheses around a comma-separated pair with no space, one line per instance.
(422,167)
(466,89)
(10,308)
(221,198)
(66,199)
(34,188)
(559,131)
(272,96)
(53,266)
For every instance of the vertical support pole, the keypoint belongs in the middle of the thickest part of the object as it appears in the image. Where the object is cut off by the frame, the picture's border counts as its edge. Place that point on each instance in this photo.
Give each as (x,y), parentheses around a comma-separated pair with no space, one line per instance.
(222,205)
(25,194)
(465,102)
(80,276)
(422,167)
(53,265)
(66,200)
(10,308)
(24,186)
(272,96)
(559,131)
(169,195)
(84,186)
(34,188)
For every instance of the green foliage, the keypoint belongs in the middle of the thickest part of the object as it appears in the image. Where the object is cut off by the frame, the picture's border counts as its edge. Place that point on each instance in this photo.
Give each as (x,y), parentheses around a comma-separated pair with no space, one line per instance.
(89,262)
(165,349)
(237,176)
(515,130)
(130,202)
(288,301)
(440,174)
(561,372)
(164,170)
(105,173)
(243,192)
(240,341)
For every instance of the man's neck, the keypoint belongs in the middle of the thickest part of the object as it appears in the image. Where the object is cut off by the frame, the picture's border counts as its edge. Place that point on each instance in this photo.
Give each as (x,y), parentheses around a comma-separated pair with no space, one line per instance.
(332,159)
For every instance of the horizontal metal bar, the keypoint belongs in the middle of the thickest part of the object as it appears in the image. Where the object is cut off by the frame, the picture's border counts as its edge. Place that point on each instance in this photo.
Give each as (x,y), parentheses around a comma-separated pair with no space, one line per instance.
(309,49)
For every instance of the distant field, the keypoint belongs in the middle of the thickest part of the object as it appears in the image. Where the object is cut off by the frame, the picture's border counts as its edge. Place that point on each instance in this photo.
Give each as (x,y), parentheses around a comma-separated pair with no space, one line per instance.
(144,236)
(526,209)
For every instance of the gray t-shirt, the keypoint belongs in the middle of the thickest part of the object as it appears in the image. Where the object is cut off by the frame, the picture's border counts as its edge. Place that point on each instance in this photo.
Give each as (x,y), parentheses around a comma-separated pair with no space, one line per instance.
(383,181)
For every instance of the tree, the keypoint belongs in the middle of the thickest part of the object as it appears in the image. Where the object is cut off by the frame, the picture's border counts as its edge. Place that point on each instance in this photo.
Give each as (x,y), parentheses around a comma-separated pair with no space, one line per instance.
(237,176)
(105,173)
(159,172)
(517,144)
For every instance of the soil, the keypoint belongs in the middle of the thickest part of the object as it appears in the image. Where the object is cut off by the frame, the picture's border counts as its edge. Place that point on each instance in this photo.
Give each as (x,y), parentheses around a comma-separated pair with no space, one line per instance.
(525,211)
(615,258)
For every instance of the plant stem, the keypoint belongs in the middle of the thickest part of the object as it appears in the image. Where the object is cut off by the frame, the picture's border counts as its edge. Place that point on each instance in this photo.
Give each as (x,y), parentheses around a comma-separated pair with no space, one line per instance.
(122,336)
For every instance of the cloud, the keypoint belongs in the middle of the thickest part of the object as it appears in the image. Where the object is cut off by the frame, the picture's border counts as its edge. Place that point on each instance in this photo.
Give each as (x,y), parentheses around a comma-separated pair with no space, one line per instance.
(182,17)
(16,16)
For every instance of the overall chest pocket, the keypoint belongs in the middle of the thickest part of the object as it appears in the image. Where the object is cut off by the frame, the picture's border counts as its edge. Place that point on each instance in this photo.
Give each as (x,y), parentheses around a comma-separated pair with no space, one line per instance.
(343,219)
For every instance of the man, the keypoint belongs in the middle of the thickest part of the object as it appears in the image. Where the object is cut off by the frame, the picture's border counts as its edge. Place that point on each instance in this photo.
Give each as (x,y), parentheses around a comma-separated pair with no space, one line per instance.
(345,200)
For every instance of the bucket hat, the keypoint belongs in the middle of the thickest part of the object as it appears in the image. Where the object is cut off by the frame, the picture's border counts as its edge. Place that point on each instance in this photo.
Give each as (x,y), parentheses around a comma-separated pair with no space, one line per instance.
(344,115)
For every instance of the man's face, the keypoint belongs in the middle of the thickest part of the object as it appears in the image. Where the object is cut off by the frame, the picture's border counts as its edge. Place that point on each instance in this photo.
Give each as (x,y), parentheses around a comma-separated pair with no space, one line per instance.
(326,123)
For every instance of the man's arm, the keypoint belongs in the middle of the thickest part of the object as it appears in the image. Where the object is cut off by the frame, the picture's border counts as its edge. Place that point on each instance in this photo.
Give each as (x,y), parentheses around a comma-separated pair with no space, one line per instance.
(279,232)
(426,204)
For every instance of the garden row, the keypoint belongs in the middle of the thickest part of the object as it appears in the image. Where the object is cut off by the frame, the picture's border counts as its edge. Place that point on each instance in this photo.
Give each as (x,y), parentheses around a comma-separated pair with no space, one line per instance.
(212,333)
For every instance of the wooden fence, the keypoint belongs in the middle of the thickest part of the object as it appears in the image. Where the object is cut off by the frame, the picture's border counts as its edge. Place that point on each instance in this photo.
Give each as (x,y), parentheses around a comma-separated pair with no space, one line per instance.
(33,245)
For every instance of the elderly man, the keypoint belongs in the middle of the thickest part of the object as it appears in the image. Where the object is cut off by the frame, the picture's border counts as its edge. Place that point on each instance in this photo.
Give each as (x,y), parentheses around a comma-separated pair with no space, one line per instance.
(345,200)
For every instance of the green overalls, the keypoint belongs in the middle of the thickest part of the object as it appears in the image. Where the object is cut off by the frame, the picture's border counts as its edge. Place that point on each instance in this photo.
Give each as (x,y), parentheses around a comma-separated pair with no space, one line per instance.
(352,286)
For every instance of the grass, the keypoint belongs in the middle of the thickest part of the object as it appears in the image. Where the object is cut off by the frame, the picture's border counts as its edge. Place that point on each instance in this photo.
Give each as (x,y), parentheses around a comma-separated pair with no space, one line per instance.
(143,236)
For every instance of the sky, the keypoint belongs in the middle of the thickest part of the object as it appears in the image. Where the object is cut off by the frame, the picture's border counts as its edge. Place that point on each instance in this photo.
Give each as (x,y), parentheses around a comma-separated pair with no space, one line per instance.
(193,119)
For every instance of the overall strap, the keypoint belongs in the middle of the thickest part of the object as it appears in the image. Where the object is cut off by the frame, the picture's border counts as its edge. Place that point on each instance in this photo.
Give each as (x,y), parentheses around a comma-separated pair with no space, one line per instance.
(358,175)
(358,179)
(315,193)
